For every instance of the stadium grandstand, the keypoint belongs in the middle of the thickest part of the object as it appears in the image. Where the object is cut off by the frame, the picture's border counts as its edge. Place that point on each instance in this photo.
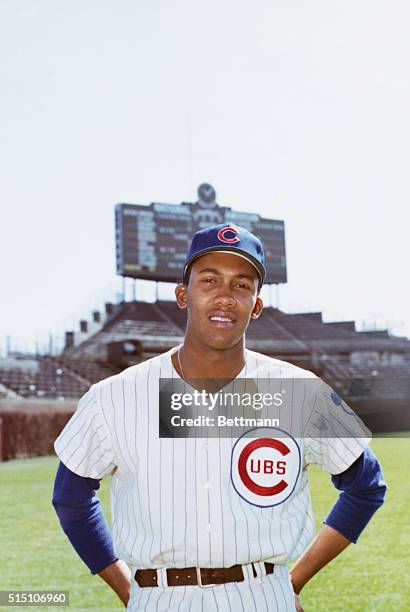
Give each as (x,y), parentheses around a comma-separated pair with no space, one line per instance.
(370,368)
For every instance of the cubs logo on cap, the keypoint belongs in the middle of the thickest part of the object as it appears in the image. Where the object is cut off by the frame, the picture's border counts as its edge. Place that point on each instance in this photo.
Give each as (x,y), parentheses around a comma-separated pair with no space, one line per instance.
(231,238)
(228,235)
(265,466)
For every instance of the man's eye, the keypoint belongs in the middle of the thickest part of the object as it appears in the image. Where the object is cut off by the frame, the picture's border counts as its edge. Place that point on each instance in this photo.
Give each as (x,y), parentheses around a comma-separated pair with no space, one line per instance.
(208,280)
(242,286)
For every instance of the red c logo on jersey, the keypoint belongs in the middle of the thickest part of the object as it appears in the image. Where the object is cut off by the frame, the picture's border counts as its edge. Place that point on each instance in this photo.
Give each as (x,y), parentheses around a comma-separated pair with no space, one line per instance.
(243,473)
(265,466)
(225,230)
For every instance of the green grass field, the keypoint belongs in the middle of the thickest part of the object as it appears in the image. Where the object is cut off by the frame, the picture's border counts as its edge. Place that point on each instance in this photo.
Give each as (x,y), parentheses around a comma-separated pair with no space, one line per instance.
(371,575)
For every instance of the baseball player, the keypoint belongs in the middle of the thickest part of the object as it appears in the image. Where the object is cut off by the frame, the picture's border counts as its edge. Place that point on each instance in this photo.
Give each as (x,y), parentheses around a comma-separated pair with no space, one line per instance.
(212,522)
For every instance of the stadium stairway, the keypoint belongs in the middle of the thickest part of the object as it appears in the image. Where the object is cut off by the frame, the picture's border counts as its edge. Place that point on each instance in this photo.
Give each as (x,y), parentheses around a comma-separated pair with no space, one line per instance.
(47,380)
(8,393)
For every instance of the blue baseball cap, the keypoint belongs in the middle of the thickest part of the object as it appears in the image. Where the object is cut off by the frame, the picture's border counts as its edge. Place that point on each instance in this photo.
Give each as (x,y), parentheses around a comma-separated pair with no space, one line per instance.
(230,238)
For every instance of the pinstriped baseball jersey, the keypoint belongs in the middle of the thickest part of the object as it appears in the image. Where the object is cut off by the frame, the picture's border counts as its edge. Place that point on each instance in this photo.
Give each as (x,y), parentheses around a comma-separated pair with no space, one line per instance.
(189,502)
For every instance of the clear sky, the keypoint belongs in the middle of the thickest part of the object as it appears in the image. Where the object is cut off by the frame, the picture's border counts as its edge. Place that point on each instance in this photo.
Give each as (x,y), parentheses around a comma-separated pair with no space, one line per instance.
(298,110)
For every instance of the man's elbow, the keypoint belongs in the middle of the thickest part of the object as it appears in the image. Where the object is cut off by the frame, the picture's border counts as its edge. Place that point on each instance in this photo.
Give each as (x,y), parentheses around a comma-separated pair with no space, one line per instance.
(382,490)
(377,496)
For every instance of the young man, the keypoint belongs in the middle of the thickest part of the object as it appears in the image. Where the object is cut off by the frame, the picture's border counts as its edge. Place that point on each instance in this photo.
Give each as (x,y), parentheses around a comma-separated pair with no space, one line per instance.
(192,518)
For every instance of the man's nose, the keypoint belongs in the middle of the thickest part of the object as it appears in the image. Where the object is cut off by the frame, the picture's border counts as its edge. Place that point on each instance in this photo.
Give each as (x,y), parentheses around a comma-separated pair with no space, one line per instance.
(225,296)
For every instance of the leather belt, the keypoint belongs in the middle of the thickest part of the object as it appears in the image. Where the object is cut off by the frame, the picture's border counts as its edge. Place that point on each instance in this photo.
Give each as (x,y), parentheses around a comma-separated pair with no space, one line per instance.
(204,576)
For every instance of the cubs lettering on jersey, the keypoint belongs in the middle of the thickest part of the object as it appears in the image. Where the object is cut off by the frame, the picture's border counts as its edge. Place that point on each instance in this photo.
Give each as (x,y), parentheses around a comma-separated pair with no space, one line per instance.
(265,468)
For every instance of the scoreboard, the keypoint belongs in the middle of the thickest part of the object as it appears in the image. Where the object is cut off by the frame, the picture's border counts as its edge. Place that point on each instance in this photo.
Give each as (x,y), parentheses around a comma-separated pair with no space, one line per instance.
(152,240)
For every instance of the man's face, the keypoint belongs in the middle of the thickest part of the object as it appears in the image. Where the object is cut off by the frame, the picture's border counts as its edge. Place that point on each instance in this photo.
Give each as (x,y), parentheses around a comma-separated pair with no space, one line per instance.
(221,297)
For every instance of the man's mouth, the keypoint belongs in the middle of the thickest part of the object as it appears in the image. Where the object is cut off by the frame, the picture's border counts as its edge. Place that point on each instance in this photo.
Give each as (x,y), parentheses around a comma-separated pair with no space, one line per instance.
(221,320)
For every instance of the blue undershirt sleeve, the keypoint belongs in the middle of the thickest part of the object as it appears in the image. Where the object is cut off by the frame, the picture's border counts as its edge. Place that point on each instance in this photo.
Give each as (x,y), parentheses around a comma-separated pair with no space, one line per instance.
(362,491)
(81,517)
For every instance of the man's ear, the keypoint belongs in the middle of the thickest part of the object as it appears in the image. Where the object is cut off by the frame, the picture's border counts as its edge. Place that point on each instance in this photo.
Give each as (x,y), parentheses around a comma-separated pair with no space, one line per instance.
(180,294)
(257,309)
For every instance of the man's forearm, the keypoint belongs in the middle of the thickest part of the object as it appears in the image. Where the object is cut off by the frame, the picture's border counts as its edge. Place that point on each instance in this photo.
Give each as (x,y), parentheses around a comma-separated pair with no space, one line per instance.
(325,546)
(118,576)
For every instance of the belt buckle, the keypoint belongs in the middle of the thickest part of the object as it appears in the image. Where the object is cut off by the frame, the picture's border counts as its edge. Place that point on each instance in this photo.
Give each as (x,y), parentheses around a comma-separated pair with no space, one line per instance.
(199,580)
